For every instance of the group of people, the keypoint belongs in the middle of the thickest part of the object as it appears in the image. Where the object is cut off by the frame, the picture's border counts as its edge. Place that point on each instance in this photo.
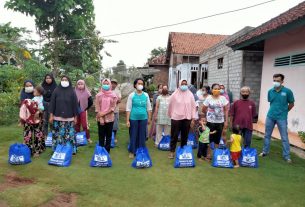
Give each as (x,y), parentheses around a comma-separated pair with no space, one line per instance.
(207,112)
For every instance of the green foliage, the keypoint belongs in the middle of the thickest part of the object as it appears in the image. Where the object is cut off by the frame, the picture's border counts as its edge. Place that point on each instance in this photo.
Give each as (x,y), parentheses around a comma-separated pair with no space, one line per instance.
(302,135)
(151,88)
(157,52)
(9,107)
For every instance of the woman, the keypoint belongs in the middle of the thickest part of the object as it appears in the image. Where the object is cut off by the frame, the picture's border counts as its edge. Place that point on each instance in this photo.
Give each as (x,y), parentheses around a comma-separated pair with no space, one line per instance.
(105,104)
(85,101)
(48,86)
(202,94)
(152,131)
(160,116)
(138,116)
(182,111)
(63,110)
(27,91)
(216,109)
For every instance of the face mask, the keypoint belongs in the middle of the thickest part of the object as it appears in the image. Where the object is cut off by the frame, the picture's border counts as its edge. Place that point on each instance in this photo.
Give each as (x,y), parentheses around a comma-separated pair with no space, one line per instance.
(203,92)
(164,91)
(29,89)
(65,84)
(216,92)
(106,87)
(183,88)
(245,96)
(222,91)
(140,87)
(276,84)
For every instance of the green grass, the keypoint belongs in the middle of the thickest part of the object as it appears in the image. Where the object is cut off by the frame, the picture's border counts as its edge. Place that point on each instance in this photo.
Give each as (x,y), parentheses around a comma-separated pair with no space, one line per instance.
(274,183)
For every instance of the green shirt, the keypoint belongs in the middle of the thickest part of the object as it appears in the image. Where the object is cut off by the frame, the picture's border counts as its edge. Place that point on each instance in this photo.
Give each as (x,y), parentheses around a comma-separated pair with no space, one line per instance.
(138,105)
(279,101)
(204,135)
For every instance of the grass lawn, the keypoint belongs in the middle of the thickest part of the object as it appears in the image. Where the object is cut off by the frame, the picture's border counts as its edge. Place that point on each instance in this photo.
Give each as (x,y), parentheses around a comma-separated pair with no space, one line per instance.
(274,183)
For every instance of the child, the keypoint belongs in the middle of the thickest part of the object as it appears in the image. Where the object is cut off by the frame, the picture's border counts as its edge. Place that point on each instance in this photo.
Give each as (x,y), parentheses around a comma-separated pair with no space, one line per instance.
(235,147)
(204,133)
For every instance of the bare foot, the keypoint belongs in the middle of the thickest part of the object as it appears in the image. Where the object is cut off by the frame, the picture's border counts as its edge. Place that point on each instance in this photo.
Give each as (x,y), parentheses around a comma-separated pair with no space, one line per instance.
(36,155)
(236,166)
(90,141)
(131,156)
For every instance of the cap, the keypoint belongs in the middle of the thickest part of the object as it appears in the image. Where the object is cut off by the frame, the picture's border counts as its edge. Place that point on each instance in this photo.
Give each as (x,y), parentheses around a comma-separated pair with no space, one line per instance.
(114,80)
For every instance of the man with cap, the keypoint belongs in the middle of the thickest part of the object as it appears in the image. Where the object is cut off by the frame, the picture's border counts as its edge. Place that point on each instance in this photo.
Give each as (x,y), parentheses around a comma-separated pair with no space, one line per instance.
(114,84)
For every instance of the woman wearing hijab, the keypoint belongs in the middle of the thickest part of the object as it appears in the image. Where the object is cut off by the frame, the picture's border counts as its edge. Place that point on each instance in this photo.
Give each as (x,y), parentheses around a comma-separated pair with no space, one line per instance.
(182,111)
(85,101)
(138,116)
(105,104)
(28,90)
(48,86)
(63,110)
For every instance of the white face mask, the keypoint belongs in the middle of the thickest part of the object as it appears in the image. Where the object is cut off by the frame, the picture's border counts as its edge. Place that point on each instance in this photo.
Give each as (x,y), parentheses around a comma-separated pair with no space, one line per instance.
(29,89)
(139,87)
(64,84)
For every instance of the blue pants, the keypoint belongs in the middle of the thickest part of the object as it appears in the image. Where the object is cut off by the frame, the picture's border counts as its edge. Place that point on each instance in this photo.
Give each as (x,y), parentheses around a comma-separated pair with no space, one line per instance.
(137,133)
(247,135)
(282,125)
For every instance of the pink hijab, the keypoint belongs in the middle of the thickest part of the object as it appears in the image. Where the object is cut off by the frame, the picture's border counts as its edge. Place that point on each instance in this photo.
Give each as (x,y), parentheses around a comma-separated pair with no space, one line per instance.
(105,99)
(82,95)
(182,105)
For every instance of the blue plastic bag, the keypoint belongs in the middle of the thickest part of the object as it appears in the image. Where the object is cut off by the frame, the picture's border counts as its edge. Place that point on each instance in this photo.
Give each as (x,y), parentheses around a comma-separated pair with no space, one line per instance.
(19,154)
(81,139)
(248,158)
(191,141)
(164,144)
(48,141)
(184,157)
(222,158)
(112,145)
(100,158)
(62,155)
(142,159)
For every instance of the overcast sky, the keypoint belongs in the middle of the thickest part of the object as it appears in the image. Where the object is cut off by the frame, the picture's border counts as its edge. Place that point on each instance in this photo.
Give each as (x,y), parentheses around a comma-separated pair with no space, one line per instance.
(116,16)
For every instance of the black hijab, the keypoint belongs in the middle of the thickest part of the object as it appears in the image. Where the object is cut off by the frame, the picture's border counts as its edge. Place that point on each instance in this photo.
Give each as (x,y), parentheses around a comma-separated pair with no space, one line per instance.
(48,88)
(23,94)
(64,101)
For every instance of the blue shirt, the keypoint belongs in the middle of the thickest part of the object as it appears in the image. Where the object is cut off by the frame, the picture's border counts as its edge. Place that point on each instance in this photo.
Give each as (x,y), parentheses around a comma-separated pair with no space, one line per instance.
(279,101)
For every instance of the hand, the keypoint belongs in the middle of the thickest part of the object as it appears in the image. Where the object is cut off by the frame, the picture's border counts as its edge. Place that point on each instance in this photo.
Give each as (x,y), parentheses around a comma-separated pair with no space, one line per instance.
(148,122)
(128,124)
(192,123)
(75,120)
(51,119)
(225,125)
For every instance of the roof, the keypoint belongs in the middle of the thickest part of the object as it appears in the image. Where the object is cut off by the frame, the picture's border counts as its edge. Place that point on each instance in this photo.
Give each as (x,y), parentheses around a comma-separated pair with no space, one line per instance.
(159,60)
(192,43)
(292,15)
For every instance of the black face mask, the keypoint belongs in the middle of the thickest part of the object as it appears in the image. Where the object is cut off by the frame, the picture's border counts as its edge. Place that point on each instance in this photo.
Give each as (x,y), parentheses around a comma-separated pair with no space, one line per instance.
(164,92)
(245,96)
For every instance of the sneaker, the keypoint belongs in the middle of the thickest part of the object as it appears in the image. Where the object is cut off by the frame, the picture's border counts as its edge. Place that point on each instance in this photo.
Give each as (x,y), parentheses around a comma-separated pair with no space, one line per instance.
(131,156)
(289,161)
(171,155)
(262,154)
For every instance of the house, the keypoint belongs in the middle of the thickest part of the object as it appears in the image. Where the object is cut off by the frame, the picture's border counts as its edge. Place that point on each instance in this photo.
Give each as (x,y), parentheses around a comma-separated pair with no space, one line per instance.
(282,41)
(233,69)
(160,64)
(182,56)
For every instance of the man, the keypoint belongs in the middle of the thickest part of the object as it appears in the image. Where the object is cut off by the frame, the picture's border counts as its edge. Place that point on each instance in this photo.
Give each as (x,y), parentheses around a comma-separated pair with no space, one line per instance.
(281,102)
(114,84)
(243,112)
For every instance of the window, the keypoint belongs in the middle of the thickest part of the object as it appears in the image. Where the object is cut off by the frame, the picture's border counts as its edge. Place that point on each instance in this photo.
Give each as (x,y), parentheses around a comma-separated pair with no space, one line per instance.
(204,71)
(220,63)
(290,60)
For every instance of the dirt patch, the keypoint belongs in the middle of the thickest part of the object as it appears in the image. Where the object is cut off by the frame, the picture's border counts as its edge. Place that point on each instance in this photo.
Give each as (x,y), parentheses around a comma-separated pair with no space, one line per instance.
(62,200)
(12,180)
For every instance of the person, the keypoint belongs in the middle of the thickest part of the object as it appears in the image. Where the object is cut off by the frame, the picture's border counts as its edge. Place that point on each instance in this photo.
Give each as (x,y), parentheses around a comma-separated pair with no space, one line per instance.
(85,101)
(216,109)
(138,116)
(204,133)
(202,94)
(152,131)
(160,116)
(182,111)
(31,111)
(235,147)
(224,93)
(63,110)
(243,112)
(27,91)
(281,102)
(116,90)
(48,85)
(105,104)
(194,127)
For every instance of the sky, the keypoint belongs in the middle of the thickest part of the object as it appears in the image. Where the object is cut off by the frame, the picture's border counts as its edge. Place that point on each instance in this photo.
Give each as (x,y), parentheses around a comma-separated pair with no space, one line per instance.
(117,16)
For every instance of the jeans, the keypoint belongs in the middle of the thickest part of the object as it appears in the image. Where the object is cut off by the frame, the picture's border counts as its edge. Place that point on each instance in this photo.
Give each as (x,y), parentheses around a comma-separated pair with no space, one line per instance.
(282,126)
(138,134)
(247,135)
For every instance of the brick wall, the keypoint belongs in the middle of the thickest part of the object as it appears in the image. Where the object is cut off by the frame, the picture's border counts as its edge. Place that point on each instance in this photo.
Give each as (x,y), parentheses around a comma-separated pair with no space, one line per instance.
(162,76)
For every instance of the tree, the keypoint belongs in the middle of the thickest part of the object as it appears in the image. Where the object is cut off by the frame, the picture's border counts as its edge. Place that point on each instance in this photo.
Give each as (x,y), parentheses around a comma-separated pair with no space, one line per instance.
(157,52)
(69,30)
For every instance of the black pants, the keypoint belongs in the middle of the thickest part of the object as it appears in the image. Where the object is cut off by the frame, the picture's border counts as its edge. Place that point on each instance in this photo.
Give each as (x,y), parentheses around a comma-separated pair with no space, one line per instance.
(178,126)
(46,116)
(104,135)
(218,127)
(202,150)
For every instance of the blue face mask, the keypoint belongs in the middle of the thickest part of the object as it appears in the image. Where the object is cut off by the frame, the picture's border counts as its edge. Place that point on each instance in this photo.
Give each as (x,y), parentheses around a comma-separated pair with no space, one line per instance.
(183,88)
(106,87)
(222,91)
